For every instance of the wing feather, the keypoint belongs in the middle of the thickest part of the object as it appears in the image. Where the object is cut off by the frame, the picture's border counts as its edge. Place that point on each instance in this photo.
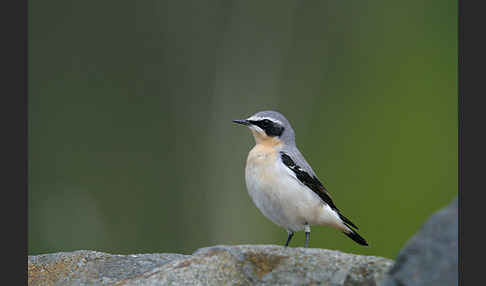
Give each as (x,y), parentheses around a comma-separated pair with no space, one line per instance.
(313,183)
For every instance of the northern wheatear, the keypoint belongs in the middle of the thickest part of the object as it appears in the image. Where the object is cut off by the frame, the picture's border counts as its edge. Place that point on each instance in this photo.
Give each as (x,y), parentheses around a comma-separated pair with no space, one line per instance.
(282,184)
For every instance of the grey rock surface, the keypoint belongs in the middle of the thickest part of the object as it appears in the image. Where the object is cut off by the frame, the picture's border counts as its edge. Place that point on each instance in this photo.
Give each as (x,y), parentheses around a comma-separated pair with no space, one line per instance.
(430,257)
(218,265)
(84,267)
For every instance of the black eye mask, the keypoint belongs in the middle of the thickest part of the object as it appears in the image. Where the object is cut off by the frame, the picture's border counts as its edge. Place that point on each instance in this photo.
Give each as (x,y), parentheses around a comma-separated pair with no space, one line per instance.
(271,128)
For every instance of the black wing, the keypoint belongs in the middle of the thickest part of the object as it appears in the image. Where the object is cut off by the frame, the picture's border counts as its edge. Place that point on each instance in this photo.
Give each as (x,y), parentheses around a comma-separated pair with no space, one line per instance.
(313,183)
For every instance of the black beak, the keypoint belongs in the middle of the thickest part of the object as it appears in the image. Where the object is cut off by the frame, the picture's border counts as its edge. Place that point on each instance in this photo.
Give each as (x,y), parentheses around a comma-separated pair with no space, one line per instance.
(242,122)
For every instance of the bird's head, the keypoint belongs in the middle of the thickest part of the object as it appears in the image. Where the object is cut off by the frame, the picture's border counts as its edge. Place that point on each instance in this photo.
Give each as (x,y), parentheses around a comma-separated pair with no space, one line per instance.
(269,127)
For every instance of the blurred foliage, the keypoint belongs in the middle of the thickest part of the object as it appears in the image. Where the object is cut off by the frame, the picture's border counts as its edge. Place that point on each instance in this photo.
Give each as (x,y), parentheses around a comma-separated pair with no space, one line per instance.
(131,145)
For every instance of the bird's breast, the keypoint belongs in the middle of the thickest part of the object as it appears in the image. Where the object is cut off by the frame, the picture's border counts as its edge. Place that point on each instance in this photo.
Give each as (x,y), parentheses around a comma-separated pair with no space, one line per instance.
(266,184)
(260,166)
(260,175)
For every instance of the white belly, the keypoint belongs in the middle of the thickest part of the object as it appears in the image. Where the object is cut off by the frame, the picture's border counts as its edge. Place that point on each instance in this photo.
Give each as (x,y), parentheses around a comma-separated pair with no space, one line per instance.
(281,197)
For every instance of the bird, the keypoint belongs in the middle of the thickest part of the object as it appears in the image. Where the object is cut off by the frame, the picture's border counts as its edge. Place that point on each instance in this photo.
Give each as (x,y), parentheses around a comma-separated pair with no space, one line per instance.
(283,186)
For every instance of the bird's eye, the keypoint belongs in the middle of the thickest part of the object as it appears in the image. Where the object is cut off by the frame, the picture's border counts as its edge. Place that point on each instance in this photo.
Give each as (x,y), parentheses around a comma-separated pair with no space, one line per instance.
(266,122)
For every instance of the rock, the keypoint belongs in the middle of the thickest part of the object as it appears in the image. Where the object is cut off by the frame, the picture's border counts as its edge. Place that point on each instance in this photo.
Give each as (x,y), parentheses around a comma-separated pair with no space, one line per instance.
(85,267)
(430,257)
(218,265)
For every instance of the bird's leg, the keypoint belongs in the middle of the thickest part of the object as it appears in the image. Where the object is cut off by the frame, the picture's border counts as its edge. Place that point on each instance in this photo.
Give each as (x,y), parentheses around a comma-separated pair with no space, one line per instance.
(307,235)
(289,238)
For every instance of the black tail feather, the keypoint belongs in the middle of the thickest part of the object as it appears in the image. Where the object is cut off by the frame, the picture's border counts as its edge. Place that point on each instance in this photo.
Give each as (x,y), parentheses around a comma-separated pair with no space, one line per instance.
(347,221)
(356,237)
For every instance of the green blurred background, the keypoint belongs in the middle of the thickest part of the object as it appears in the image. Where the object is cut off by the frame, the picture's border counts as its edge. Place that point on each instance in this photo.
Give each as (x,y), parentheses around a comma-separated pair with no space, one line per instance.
(131,144)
